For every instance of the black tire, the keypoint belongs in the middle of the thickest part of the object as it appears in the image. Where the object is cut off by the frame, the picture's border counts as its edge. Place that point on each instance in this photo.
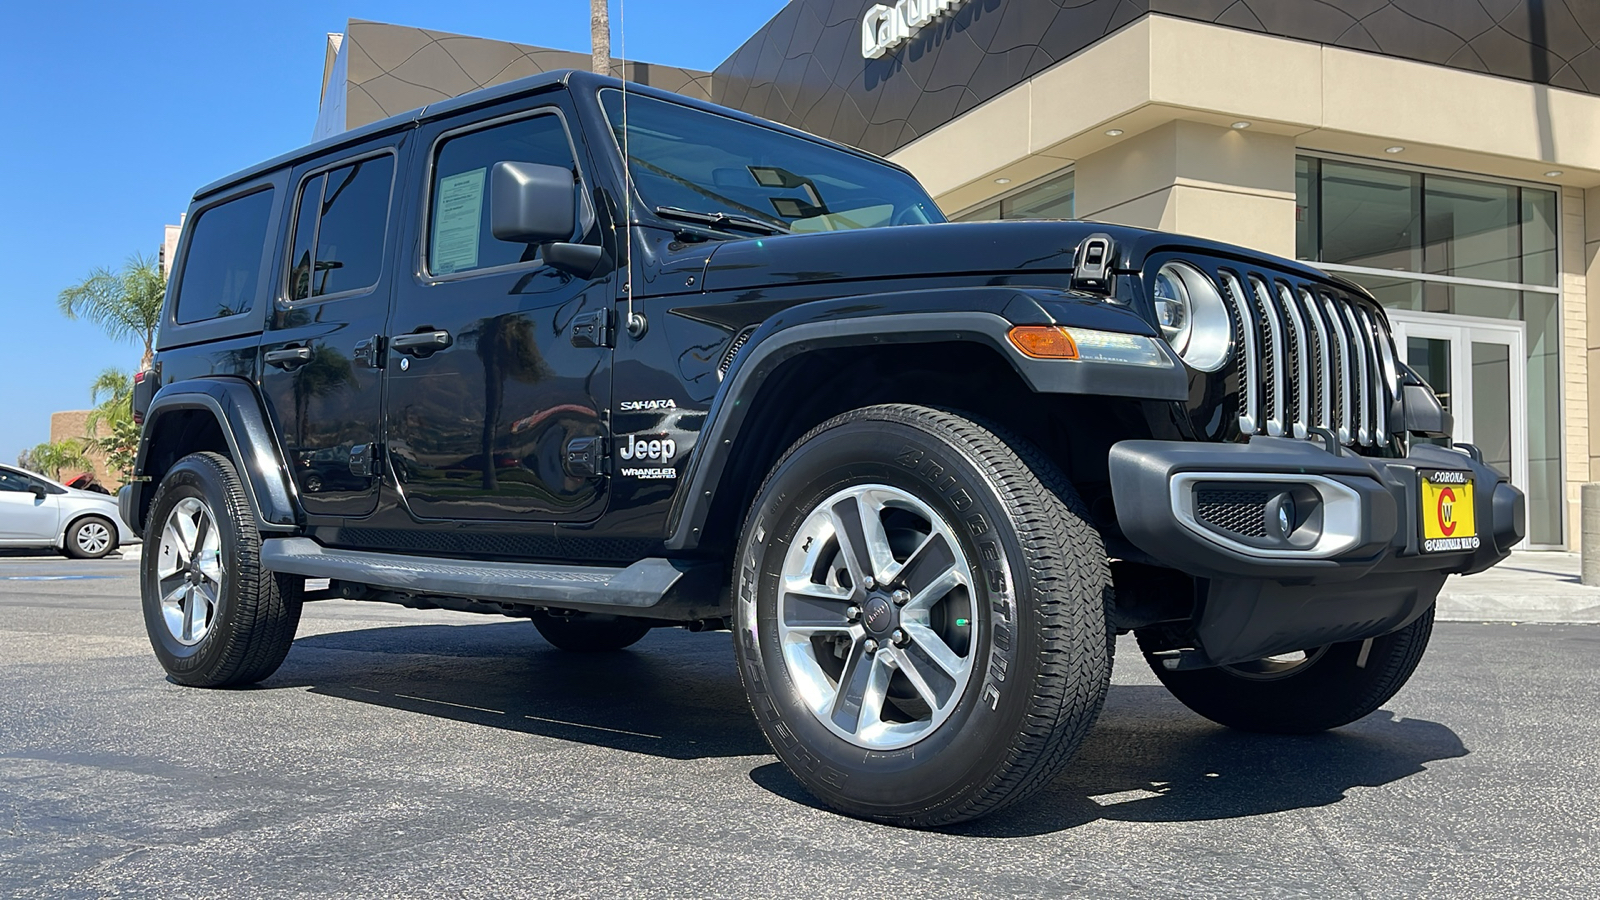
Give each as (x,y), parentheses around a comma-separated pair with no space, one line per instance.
(1038,594)
(249,627)
(83,532)
(589,633)
(1333,686)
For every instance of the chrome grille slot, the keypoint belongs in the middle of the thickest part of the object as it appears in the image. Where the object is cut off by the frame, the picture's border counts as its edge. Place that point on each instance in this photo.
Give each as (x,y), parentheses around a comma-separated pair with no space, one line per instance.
(1310,359)
(1249,344)
(1278,384)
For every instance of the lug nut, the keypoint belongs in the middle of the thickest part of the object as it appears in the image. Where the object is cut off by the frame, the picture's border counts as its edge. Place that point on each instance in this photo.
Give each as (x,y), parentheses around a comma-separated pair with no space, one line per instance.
(853,613)
(871,646)
(869,584)
(902,597)
(900,639)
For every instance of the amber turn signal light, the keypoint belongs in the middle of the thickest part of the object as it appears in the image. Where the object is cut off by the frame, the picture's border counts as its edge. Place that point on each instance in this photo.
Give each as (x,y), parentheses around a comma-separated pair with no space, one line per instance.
(1044,341)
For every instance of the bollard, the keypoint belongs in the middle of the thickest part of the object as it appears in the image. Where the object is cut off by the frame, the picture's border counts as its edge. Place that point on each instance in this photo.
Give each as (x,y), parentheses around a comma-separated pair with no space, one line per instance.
(1590,546)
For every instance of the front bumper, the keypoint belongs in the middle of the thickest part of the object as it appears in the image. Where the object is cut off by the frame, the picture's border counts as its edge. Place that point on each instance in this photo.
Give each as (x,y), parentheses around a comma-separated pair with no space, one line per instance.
(1345,559)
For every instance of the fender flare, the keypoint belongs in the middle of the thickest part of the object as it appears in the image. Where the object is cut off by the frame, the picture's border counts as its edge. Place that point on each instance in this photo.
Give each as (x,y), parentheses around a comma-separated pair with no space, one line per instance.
(983,315)
(234,404)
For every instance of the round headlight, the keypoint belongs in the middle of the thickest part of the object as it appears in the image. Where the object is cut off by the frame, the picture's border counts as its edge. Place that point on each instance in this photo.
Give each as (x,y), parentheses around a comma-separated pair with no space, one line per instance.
(1193,316)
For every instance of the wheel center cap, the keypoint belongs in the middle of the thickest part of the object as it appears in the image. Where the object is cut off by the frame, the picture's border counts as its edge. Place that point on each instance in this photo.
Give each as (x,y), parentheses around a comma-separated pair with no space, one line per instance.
(878,616)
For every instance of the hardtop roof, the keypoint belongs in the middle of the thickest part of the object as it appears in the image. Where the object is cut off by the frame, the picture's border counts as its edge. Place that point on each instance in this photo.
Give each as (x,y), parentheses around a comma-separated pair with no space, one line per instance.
(532,84)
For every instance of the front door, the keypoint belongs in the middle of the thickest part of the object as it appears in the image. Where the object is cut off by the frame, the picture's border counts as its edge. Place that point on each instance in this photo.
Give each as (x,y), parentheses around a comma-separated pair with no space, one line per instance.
(321,359)
(1478,369)
(489,389)
(25,517)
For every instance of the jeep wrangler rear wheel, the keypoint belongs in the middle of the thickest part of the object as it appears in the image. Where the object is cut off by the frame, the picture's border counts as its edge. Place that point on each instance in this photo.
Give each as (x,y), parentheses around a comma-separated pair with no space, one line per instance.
(214,616)
(589,633)
(1299,693)
(921,611)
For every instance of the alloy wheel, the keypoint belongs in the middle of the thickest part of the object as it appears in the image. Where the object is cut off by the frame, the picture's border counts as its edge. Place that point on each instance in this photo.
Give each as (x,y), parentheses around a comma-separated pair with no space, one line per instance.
(876,616)
(189,571)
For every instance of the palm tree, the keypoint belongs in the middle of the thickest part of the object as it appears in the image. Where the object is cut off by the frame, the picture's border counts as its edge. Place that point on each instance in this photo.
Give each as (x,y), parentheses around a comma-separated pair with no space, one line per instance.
(600,37)
(125,304)
(51,458)
(112,396)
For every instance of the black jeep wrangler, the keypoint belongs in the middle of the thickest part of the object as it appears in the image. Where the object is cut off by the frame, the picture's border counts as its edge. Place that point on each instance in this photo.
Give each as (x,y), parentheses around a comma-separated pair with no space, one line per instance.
(610,359)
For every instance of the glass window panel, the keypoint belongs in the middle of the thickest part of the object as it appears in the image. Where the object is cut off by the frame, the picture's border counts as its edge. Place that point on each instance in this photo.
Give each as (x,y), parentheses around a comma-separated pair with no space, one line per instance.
(222,267)
(1394,292)
(305,235)
(1471,229)
(1307,207)
(1540,312)
(355,215)
(1052,199)
(1371,217)
(1430,357)
(987,213)
(464,162)
(1539,238)
(1491,403)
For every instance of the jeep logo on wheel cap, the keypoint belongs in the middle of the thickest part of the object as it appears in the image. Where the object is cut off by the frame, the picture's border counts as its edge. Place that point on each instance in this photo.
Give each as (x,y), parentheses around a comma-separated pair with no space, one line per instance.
(878,615)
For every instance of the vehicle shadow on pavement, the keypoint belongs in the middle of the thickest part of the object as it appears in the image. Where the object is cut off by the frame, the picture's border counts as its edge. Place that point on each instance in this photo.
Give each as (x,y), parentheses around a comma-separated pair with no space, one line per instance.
(1149,759)
(673,694)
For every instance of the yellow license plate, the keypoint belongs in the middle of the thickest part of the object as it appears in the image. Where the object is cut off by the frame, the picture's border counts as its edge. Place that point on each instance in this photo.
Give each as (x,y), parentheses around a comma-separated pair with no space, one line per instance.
(1447,512)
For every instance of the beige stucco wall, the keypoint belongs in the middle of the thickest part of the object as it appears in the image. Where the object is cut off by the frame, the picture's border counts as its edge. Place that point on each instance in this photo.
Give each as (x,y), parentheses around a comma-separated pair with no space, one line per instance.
(1576,368)
(74,424)
(1196,178)
(1591,270)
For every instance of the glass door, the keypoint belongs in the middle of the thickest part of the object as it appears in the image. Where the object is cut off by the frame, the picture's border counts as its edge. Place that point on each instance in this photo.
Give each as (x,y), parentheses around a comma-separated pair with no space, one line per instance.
(1475,366)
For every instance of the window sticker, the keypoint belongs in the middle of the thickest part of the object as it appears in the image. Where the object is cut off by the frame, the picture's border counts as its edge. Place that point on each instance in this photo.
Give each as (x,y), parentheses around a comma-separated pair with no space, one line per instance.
(458,209)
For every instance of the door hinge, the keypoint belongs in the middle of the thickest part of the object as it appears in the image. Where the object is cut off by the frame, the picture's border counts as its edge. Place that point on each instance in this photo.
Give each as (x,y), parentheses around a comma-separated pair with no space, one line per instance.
(586,457)
(592,329)
(369,352)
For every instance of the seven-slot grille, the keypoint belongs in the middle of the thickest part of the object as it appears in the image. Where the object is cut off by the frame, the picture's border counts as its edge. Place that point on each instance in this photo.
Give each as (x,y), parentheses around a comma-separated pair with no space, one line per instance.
(1309,358)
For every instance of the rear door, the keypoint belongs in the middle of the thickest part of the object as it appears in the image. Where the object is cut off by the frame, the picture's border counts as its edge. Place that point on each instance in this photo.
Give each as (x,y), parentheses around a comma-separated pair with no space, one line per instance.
(479,424)
(26,518)
(322,351)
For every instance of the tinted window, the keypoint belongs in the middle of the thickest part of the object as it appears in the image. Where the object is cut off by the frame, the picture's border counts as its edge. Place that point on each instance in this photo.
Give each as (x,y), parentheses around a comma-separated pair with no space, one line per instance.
(223,266)
(458,210)
(14,482)
(344,214)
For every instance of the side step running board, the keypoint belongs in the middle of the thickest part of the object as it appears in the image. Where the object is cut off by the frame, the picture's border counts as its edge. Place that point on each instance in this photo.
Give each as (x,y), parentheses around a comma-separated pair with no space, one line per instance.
(641,586)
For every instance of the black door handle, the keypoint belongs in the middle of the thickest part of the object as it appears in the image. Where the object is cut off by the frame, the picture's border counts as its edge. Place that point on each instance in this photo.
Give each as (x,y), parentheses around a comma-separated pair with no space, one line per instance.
(422,343)
(288,357)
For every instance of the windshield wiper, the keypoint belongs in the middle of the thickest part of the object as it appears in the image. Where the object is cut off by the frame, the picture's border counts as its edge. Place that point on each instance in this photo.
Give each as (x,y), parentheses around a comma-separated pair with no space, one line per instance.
(722,221)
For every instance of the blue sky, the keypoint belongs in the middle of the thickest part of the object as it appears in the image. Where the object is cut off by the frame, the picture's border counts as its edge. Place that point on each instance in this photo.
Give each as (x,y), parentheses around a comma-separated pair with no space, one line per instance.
(115,112)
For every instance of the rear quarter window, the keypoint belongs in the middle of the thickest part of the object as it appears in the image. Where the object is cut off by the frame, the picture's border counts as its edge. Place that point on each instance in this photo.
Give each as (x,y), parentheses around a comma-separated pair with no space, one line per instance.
(222,266)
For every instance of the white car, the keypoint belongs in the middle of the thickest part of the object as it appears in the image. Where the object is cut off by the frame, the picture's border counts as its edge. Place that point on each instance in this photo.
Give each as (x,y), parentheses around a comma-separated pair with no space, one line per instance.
(38,512)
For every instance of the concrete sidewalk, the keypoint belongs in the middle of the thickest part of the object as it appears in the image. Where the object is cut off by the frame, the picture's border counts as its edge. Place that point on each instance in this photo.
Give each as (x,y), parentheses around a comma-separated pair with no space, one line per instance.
(1531,586)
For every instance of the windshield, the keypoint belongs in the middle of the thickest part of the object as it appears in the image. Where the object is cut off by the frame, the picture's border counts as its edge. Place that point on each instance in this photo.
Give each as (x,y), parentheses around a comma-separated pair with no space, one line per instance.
(686,160)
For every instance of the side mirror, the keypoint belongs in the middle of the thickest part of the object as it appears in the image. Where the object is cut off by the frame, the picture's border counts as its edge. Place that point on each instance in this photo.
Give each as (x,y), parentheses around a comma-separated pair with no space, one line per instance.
(39,490)
(531,203)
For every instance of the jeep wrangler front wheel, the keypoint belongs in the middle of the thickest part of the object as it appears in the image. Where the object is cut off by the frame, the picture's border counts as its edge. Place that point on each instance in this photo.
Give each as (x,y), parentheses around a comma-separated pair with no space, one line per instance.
(215,617)
(921,611)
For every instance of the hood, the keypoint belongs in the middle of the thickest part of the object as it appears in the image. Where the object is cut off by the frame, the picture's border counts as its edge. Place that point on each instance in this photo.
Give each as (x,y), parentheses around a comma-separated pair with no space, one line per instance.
(955,248)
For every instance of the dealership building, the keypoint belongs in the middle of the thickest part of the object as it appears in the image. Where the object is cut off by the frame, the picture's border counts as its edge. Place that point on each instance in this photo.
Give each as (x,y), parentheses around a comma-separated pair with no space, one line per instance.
(1445,154)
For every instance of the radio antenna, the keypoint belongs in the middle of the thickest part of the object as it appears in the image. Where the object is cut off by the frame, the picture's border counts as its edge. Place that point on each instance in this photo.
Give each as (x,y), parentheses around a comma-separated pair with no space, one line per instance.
(636,323)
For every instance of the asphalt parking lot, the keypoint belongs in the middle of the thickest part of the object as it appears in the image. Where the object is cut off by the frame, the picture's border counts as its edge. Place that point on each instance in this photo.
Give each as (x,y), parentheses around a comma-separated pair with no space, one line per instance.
(407,754)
